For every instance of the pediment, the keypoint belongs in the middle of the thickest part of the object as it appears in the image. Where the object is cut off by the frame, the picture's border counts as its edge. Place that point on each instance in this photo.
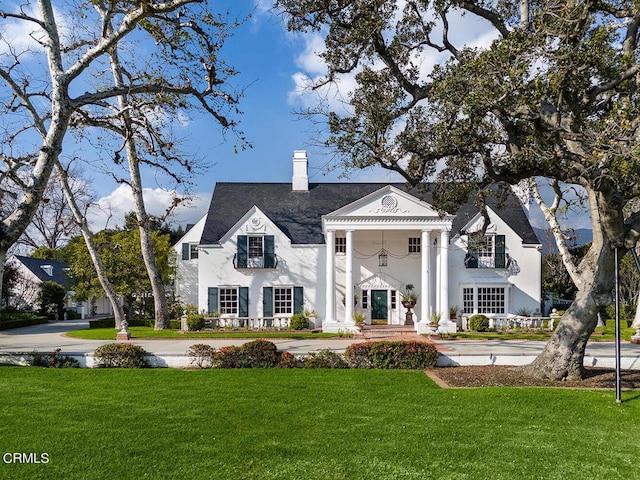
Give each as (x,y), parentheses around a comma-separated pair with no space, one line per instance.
(380,281)
(476,224)
(253,222)
(386,202)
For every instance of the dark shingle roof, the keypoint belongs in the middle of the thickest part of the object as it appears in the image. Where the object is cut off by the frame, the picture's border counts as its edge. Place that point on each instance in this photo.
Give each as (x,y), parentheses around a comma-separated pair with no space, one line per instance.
(36,265)
(299,214)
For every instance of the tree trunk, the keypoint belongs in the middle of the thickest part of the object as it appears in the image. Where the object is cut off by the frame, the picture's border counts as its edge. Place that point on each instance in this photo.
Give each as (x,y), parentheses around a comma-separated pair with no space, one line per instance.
(563,356)
(157,285)
(3,256)
(118,311)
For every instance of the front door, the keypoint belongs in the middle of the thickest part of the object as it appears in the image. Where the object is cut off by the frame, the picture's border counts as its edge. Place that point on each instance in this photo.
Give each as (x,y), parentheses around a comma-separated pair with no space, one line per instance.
(379,310)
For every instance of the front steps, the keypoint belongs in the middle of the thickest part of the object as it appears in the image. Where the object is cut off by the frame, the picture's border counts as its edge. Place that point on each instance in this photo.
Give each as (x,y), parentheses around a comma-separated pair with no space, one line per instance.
(390,332)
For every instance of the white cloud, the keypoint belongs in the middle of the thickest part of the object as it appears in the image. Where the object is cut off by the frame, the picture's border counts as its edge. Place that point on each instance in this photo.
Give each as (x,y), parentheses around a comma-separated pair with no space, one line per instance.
(465,30)
(110,210)
(19,33)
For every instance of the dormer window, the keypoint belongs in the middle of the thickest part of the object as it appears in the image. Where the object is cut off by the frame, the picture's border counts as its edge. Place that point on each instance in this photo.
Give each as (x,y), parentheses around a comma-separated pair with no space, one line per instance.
(48,269)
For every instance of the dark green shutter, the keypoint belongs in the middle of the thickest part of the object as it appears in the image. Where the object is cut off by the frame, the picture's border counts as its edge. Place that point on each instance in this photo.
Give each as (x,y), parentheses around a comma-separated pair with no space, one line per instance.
(298,299)
(185,251)
(243,302)
(269,252)
(242,251)
(267,302)
(213,300)
(471,259)
(501,255)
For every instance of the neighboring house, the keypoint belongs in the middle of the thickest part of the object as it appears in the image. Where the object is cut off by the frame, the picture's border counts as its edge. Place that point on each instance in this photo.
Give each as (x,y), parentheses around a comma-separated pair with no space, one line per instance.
(32,272)
(268,250)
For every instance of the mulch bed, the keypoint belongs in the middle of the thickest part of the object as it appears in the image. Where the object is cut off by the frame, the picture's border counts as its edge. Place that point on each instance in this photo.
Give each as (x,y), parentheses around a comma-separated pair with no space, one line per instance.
(508,376)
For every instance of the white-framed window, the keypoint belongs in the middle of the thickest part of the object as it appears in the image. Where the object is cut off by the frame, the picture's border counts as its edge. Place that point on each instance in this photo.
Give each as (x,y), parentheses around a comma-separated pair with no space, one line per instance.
(283,300)
(256,247)
(365,299)
(486,251)
(189,251)
(414,244)
(228,300)
(394,299)
(341,244)
(468,304)
(486,300)
(491,300)
(255,251)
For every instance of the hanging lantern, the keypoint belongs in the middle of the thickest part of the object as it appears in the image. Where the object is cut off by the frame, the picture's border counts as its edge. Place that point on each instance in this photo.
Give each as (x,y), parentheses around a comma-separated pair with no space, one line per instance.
(382,258)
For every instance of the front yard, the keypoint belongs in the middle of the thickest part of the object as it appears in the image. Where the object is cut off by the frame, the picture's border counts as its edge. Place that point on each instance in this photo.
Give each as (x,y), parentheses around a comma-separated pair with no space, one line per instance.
(311,424)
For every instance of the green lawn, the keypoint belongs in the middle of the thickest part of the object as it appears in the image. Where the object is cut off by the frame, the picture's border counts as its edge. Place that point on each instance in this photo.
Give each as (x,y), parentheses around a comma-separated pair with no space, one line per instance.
(601,334)
(149,332)
(307,424)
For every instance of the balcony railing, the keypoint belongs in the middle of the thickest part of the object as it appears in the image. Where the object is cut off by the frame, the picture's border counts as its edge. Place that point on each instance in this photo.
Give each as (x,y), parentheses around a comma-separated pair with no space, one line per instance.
(255,263)
(486,261)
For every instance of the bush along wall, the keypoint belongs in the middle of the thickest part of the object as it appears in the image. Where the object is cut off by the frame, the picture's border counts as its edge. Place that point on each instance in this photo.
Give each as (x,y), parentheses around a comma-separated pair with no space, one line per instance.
(120,355)
(391,354)
(264,354)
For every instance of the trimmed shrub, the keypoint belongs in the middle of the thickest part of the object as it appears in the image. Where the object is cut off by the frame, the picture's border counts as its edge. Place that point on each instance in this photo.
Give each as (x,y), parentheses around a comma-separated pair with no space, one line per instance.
(229,357)
(202,355)
(298,322)
(22,322)
(53,360)
(120,355)
(142,322)
(479,323)
(287,360)
(260,353)
(103,323)
(254,354)
(326,358)
(175,324)
(195,322)
(391,354)
(73,315)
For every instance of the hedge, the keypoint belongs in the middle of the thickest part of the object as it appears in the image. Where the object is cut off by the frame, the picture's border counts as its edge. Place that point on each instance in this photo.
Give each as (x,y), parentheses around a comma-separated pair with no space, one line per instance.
(120,355)
(391,354)
(23,322)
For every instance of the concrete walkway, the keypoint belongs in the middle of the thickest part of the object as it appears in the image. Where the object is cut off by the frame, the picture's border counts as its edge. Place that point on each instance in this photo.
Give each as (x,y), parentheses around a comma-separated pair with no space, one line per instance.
(48,337)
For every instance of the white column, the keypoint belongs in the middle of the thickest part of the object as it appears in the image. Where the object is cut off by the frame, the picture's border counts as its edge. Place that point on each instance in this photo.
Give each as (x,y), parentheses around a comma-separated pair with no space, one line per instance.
(330,298)
(348,283)
(444,274)
(425,272)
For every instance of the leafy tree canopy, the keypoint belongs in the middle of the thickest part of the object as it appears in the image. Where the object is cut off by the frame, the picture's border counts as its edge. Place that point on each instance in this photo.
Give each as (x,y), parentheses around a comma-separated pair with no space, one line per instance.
(553,95)
(122,259)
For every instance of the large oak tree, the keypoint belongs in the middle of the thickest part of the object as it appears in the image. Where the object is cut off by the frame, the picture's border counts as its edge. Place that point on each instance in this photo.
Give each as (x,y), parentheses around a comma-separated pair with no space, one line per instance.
(553,96)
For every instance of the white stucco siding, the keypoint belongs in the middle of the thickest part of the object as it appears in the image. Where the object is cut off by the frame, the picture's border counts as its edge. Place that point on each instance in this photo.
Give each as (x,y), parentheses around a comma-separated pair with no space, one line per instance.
(297,266)
(521,279)
(186,281)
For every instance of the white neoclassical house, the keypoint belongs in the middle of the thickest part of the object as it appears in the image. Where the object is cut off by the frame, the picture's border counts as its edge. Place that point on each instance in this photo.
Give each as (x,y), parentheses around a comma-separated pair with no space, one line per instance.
(265,251)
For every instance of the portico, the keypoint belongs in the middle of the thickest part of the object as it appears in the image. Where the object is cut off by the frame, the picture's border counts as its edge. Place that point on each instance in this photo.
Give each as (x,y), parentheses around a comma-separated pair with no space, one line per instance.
(377,246)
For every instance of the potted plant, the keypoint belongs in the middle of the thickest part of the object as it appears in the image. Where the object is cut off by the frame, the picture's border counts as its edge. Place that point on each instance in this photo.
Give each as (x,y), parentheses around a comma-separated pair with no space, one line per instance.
(359,318)
(409,297)
(434,324)
(453,313)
